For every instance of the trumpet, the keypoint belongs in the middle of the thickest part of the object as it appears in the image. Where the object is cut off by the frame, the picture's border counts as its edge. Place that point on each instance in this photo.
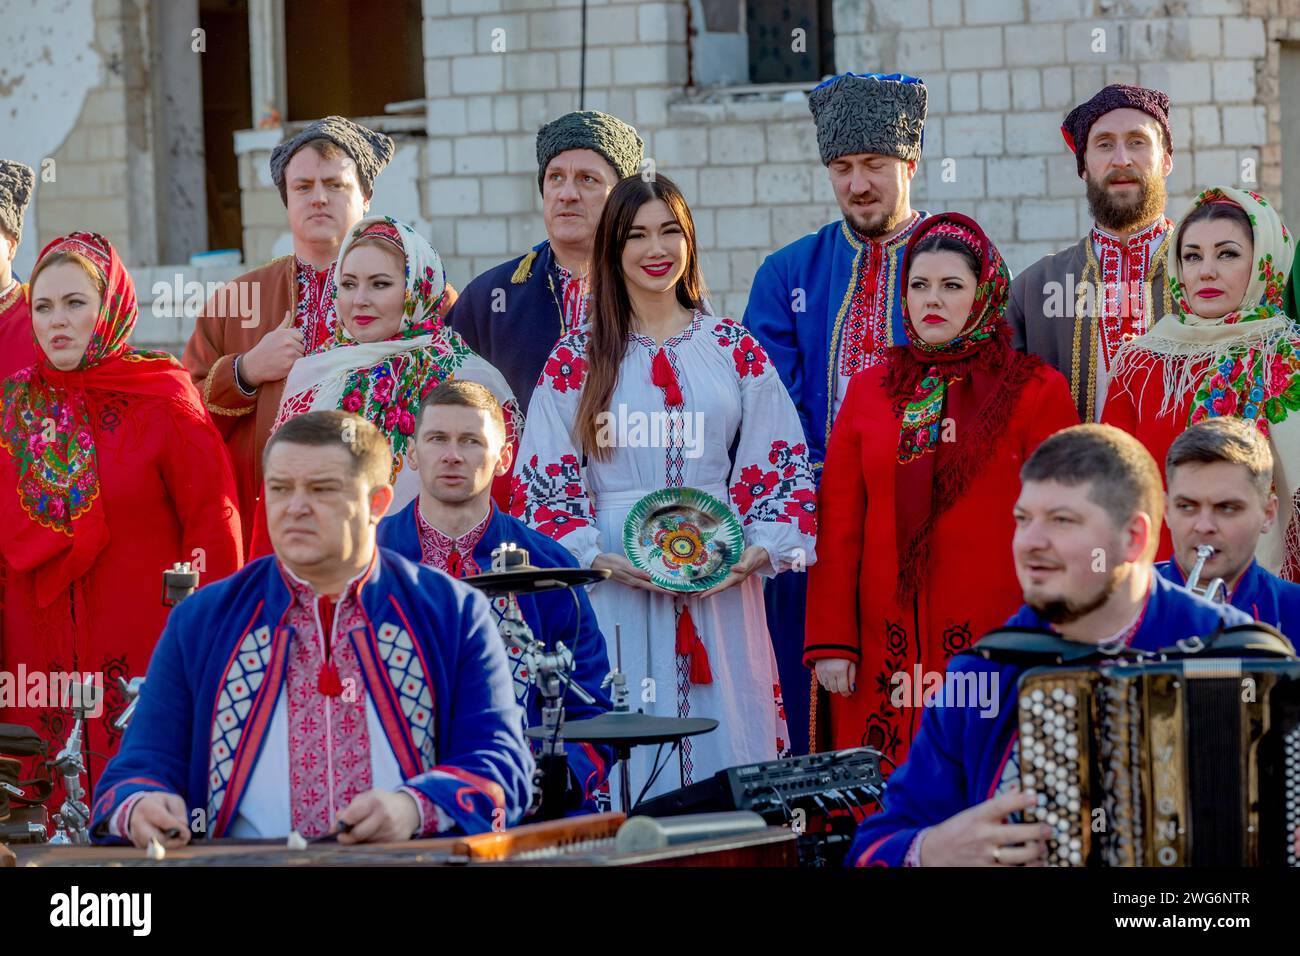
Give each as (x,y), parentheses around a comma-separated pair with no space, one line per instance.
(1216,590)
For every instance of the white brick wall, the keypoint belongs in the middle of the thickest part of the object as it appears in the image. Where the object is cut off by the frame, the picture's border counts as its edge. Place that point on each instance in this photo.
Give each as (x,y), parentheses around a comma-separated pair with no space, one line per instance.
(1001,75)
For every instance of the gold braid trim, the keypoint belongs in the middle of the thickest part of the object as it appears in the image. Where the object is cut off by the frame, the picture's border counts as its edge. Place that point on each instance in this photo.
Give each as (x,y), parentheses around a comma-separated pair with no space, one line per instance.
(207,393)
(1160,258)
(1074,358)
(1091,281)
(812,714)
(524,269)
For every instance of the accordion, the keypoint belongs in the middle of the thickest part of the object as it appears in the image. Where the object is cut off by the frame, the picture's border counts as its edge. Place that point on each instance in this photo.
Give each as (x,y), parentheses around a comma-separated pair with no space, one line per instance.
(1183,762)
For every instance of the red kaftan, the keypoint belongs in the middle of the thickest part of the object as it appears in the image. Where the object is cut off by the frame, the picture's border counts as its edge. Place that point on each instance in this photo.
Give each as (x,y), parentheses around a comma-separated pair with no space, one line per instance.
(972,588)
(17,348)
(167,490)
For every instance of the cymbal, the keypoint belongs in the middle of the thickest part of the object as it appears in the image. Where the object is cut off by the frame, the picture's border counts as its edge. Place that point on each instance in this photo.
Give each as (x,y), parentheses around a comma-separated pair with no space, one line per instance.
(629,730)
(530,580)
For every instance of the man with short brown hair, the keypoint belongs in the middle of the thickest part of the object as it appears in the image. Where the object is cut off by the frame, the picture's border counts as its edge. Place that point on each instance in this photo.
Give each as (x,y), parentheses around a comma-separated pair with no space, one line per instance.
(1220,475)
(251,332)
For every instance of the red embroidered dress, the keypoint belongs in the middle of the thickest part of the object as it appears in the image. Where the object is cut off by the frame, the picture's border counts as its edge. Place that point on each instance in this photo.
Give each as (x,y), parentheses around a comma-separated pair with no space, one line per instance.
(109,474)
(917,492)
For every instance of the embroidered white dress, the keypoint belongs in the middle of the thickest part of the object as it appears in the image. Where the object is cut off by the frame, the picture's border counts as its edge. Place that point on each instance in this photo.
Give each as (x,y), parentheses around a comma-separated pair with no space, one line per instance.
(740,441)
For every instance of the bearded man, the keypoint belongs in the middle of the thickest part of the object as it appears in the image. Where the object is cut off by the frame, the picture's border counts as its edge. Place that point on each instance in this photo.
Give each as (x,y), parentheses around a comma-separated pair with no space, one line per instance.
(1075,307)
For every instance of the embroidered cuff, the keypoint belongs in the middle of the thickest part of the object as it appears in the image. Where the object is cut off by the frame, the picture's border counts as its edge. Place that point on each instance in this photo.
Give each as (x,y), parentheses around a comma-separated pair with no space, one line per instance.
(433,819)
(239,381)
(119,824)
(913,855)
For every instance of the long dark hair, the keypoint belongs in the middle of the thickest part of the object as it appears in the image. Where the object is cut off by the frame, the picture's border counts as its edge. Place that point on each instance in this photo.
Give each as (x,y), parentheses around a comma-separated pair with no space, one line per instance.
(611,314)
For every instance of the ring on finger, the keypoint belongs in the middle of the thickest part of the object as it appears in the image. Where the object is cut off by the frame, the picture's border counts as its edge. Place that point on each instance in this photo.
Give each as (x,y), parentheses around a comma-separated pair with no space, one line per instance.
(997,855)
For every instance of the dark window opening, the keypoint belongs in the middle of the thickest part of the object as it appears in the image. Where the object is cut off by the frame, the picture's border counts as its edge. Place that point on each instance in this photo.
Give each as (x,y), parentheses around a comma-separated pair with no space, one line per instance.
(227,107)
(351,57)
(776,53)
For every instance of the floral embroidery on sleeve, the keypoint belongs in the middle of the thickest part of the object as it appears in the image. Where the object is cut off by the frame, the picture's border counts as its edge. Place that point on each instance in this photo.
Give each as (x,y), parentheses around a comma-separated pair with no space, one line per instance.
(550,497)
(783,493)
(748,355)
(566,369)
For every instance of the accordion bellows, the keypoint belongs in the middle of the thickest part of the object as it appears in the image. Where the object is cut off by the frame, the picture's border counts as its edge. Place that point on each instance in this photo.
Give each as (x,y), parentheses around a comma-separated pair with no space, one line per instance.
(1176,763)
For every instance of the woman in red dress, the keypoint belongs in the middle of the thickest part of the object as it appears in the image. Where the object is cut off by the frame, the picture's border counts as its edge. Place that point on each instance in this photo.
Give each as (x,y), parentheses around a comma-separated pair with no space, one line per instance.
(921,474)
(110,472)
(1229,349)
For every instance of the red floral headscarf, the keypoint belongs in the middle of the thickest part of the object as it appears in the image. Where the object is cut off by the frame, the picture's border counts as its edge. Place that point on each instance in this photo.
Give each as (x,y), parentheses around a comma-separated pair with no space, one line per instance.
(974,380)
(49,479)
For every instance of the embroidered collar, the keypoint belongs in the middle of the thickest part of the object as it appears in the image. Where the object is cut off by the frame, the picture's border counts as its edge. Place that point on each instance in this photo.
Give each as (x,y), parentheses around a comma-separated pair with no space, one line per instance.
(675,340)
(899,238)
(1156,230)
(308,272)
(441,551)
(304,593)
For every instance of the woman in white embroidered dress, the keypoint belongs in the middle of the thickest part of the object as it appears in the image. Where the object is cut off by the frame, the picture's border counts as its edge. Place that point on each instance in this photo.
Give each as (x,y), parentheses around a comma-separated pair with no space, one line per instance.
(650,351)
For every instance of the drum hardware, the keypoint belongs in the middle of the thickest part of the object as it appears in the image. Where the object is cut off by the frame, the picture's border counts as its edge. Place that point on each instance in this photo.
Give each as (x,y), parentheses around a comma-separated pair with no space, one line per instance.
(512,575)
(73,819)
(622,729)
(179,582)
(1216,590)
(131,693)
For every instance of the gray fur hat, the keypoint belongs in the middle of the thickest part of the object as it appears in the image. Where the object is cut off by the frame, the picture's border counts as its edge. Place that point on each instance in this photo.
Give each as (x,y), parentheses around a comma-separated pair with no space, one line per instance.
(370,150)
(869,113)
(590,129)
(16,182)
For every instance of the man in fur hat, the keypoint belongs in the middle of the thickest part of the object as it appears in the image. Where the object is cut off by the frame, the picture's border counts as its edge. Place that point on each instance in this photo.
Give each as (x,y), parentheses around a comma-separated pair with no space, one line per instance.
(828,305)
(514,313)
(250,333)
(1075,307)
(17,350)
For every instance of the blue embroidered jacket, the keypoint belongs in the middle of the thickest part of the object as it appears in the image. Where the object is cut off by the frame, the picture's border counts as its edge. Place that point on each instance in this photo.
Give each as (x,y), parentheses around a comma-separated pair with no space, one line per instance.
(514,325)
(798,305)
(433,666)
(552,616)
(1264,596)
(957,758)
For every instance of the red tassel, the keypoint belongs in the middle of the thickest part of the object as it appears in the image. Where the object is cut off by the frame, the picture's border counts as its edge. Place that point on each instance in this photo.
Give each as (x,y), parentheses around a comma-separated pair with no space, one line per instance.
(453,564)
(662,375)
(327,680)
(689,644)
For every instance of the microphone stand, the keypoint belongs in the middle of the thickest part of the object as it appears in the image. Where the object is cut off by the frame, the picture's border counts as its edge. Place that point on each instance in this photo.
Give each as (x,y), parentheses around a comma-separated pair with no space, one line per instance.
(551,670)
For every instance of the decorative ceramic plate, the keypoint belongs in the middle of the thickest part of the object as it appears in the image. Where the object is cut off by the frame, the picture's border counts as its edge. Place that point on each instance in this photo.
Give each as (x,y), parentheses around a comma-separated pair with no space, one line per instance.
(685,539)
